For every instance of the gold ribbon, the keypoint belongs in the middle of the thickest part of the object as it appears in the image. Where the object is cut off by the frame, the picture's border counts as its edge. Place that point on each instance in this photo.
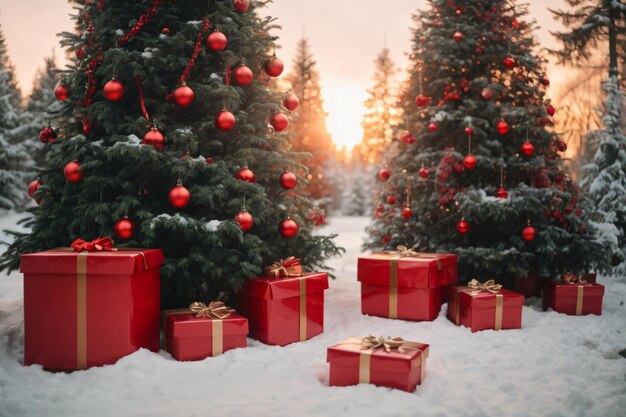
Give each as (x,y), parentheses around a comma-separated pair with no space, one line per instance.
(489,286)
(285,268)
(475,286)
(81,310)
(571,279)
(216,310)
(579,300)
(303,327)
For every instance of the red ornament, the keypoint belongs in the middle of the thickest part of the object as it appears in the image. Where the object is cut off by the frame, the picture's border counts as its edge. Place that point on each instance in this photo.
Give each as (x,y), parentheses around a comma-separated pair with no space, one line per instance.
(225,120)
(407,213)
(545,81)
(509,61)
(502,127)
(528,148)
(469,131)
(432,127)
(386,238)
(217,41)
(470,161)
(528,233)
(245,174)
(274,66)
(502,193)
(561,145)
(279,122)
(391,199)
(48,135)
(80,52)
(422,101)
(457,36)
(241,6)
(380,210)
(183,96)
(124,228)
(245,220)
(384,174)
(179,196)
(407,137)
(288,180)
(243,76)
(550,110)
(154,138)
(291,102)
(463,226)
(73,172)
(423,173)
(62,92)
(288,228)
(113,90)
(86,125)
(32,188)
(209,160)
(487,93)
(165,30)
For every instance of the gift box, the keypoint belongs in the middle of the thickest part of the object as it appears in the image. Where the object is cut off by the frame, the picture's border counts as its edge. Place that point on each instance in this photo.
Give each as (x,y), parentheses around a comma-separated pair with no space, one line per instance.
(574,297)
(87,308)
(405,284)
(392,363)
(203,331)
(283,310)
(485,306)
(528,286)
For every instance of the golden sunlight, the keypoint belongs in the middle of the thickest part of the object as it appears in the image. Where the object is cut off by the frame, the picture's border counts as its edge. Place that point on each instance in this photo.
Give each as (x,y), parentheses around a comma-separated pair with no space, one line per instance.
(344,104)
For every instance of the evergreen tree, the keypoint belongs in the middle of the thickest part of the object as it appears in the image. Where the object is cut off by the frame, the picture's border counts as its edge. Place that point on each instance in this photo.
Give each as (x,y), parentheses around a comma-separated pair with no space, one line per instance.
(476,78)
(182,83)
(357,193)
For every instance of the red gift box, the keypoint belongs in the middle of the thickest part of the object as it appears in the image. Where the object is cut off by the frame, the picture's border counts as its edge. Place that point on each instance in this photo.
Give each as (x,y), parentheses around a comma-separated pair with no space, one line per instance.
(482,310)
(192,338)
(405,285)
(528,286)
(84,309)
(351,364)
(574,299)
(284,310)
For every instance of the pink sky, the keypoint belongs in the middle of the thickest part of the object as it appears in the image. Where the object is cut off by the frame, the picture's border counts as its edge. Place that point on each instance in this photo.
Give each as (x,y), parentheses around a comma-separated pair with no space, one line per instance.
(345,36)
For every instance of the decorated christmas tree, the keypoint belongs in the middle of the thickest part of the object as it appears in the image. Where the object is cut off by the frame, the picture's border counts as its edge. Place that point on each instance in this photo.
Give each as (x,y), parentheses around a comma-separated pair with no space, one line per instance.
(169,145)
(484,177)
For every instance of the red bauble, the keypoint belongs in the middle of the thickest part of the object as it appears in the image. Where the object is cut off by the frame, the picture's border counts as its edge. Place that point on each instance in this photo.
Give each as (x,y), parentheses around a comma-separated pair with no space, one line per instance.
(274,66)
(422,101)
(545,81)
(245,174)
(502,193)
(469,131)
(509,61)
(384,174)
(183,96)
(432,127)
(245,220)
(165,30)
(209,160)
(291,102)
(279,122)
(73,172)
(386,238)
(288,228)
(487,93)
(217,41)
(243,76)
(528,233)
(225,120)
(391,199)
(470,161)
(48,135)
(113,90)
(62,92)
(80,52)
(457,36)
(423,173)
(463,226)
(561,145)
(32,188)
(502,127)
(528,148)
(86,125)
(124,228)
(288,180)
(380,210)
(154,138)
(179,196)
(550,110)
(407,137)
(241,6)
(407,213)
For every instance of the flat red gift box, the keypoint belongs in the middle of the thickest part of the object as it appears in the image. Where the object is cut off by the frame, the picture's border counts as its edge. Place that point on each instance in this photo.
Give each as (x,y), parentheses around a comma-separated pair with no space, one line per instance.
(352,365)
(415,293)
(574,299)
(191,338)
(84,309)
(284,310)
(483,310)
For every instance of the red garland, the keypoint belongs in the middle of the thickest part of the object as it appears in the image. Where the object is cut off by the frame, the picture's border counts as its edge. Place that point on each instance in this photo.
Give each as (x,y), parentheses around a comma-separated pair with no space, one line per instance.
(144,19)
(206,25)
(141,99)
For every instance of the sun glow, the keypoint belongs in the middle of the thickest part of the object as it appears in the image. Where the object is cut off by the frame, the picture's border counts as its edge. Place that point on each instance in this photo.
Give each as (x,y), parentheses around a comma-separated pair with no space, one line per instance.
(344,104)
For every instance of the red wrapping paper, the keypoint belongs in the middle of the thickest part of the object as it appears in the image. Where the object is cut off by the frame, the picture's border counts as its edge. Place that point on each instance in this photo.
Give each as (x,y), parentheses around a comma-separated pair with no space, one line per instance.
(565,298)
(528,286)
(478,310)
(75,323)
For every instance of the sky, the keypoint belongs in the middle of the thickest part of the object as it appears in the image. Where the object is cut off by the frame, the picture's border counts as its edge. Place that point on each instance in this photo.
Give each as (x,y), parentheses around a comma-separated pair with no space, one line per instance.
(345,37)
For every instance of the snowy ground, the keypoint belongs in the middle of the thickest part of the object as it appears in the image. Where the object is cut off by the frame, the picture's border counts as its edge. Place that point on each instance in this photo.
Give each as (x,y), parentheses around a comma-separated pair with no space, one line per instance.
(555,366)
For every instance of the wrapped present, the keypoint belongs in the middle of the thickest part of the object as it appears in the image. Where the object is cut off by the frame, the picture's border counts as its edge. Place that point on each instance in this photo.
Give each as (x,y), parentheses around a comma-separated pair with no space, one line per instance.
(405,284)
(202,331)
(483,306)
(90,304)
(573,295)
(590,278)
(388,362)
(286,306)
(528,286)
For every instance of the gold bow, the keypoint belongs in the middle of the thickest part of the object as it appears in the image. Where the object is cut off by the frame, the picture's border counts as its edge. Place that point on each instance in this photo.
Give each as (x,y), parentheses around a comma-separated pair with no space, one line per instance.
(285,268)
(216,310)
(489,286)
(388,343)
(404,251)
(570,278)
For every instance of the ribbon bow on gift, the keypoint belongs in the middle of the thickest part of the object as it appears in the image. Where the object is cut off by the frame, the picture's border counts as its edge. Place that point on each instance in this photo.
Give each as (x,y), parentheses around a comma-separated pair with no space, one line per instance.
(216,310)
(388,343)
(489,286)
(404,251)
(100,244)
(570,278)
(285,268)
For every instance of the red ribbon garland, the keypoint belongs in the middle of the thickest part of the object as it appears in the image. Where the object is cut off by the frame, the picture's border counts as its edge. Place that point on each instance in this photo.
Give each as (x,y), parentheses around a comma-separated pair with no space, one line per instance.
(144,19)
(142,101)
(206,25)
(99,244)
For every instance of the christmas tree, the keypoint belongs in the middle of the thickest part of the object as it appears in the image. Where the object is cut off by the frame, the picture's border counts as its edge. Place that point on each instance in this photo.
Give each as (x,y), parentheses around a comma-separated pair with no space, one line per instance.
(168,146)
(484,177)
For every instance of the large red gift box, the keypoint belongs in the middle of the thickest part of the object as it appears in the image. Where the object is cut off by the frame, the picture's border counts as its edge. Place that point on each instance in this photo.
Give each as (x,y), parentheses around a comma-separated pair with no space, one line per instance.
(574,299)
(84,309)
(351,364)
(405,286)
(284,310)
(483,310)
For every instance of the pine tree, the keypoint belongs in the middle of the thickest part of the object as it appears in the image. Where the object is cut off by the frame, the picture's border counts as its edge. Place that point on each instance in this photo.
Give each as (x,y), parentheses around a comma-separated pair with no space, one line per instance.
(357,196)
(165,54)
(477,79)
(604,178)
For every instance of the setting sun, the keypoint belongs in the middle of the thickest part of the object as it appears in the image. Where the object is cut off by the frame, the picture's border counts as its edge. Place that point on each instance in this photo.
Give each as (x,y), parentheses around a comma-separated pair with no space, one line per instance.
(344,104)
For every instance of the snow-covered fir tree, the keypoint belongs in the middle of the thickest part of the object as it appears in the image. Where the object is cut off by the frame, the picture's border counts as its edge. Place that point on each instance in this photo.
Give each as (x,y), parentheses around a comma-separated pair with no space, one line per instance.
(358,192)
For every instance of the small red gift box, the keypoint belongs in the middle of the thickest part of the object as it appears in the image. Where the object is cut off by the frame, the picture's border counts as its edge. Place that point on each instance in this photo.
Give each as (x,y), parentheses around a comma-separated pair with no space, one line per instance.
(485,306)
(404,284)
(574,298)
(355,361)
(190,337)
(528,286)
(284,310)
(84,309)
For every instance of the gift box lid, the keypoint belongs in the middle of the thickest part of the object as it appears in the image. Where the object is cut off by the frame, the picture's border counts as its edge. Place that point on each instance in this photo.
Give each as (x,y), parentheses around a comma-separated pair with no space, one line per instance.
(424,271)
(347,352)
(571,290)
(120,262)
(486,299)
(278,288)
(186,324)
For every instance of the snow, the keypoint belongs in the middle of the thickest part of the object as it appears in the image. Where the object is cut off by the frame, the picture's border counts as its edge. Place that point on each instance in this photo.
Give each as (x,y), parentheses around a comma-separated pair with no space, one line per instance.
(557,365)
(213,225)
